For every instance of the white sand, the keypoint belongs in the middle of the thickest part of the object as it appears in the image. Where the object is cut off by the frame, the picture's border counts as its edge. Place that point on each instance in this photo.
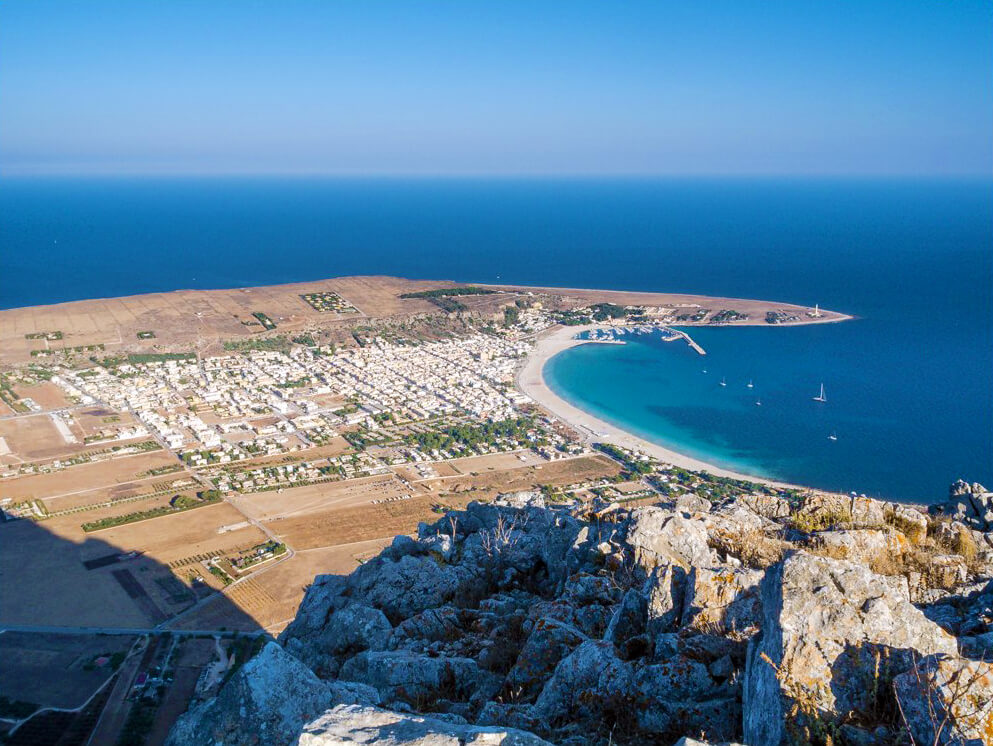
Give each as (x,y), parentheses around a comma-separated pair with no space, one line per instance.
(531,381)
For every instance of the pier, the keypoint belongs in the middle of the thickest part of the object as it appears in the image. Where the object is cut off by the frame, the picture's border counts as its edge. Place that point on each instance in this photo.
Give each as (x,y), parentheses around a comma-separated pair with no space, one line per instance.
(689,340)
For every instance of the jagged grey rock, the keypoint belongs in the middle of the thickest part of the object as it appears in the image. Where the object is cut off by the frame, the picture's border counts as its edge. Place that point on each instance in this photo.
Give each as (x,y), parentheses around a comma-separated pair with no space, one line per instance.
(630,619)
(767,506)
(947,701)
(548,642)
(864,544)
(412,678)
(971,504)
(521,500)
(572,691)
(628,625)
(660,536)
(723,599)
(690,503)
(350,724)
(819,616)
(664,590)
(267,702)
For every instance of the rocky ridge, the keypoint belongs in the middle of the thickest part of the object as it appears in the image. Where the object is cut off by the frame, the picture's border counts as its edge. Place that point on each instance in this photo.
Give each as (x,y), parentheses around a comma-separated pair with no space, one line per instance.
(760,620)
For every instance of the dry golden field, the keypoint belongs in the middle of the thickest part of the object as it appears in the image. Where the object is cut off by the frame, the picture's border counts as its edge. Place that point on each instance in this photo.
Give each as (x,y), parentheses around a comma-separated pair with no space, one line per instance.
(176,537)
(556,473)
(34,438)
(82,477)
(201,318)
(269,506)
(269,600)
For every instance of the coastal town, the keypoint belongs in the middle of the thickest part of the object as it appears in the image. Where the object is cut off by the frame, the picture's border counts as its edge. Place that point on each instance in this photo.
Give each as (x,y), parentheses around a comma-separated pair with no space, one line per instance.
(171,504)
(170,488)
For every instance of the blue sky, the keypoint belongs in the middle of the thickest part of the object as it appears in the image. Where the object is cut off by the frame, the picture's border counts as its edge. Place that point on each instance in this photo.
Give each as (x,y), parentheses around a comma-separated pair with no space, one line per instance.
(508,87)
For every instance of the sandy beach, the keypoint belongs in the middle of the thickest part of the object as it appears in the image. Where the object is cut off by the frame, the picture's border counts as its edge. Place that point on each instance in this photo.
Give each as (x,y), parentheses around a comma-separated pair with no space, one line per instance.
(531,381)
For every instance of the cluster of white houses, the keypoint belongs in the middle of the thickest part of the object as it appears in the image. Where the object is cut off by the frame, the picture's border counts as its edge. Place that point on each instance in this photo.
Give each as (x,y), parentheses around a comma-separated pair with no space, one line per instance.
(233,407)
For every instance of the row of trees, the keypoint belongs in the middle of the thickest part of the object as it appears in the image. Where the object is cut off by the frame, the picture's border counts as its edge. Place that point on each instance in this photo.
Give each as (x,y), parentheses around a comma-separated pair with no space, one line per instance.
(465,435)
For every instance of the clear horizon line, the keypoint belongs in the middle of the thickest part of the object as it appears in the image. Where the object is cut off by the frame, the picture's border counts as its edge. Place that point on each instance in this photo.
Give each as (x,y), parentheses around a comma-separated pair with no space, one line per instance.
(373,174)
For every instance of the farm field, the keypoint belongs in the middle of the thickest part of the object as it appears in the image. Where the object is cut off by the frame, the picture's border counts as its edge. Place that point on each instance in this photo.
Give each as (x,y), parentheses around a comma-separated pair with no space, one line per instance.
(54,670)
(487,485)
(176,537)
(171,484)
(269,600)
(75,479)
(46,395)
(44,581)
(57,588)
(494,462)
(269,506)
(329,528)
(188,316)
(34,437)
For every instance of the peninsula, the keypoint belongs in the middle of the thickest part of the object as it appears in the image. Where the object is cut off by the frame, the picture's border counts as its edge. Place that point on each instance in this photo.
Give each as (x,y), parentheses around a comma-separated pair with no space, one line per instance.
(179,465)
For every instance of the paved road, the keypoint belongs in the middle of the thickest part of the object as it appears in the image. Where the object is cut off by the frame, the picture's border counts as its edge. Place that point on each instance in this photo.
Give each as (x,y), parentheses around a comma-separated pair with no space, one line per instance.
(116,709)
(38,629)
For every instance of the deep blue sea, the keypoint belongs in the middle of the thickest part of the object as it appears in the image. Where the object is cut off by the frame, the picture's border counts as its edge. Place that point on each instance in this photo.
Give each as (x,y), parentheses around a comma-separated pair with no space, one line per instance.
(909,384)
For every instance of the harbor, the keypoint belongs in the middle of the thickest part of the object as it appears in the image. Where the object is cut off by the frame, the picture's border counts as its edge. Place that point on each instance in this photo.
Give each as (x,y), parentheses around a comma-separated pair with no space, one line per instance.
(614,334)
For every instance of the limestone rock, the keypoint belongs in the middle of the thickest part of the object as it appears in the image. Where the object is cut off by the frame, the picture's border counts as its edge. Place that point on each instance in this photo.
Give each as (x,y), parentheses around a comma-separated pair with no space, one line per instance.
(629,623)
(939,688)
(910,521)
(767,506)
(723,599)
(267,702)
(549,641)
(407,677)
(351,724)
(690,503)
(863,544)
(659,536)
(868,513)
(947,571)
(521,500)
(432,625)
(353,629)
(970,503)
(412,584)
(736,516)
(664,591)
(819,616)
(629,627)
(583,682)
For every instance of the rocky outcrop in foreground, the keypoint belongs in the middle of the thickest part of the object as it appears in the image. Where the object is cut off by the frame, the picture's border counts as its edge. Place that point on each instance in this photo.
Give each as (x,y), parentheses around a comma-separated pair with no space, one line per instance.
(825,620)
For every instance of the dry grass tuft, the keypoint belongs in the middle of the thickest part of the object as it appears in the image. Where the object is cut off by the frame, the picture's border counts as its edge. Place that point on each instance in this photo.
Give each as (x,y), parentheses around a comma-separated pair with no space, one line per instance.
(823,519)
(753,547)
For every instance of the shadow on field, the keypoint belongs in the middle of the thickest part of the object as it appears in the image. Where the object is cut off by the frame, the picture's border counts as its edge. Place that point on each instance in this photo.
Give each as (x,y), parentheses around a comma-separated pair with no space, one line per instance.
(86,632)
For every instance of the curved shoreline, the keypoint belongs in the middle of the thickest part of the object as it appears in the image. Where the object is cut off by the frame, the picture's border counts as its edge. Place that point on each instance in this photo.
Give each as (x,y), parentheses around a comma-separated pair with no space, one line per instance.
(531,381)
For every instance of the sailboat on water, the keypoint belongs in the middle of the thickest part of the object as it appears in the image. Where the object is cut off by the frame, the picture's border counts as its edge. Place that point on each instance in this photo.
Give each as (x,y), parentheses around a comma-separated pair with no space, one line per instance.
(723,382)
(749,385)
(821,397)
(833,436)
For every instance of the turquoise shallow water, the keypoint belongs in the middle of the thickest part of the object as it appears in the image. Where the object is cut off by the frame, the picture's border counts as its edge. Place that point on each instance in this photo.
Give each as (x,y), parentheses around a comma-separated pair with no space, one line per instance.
(910,384)
(890,440)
